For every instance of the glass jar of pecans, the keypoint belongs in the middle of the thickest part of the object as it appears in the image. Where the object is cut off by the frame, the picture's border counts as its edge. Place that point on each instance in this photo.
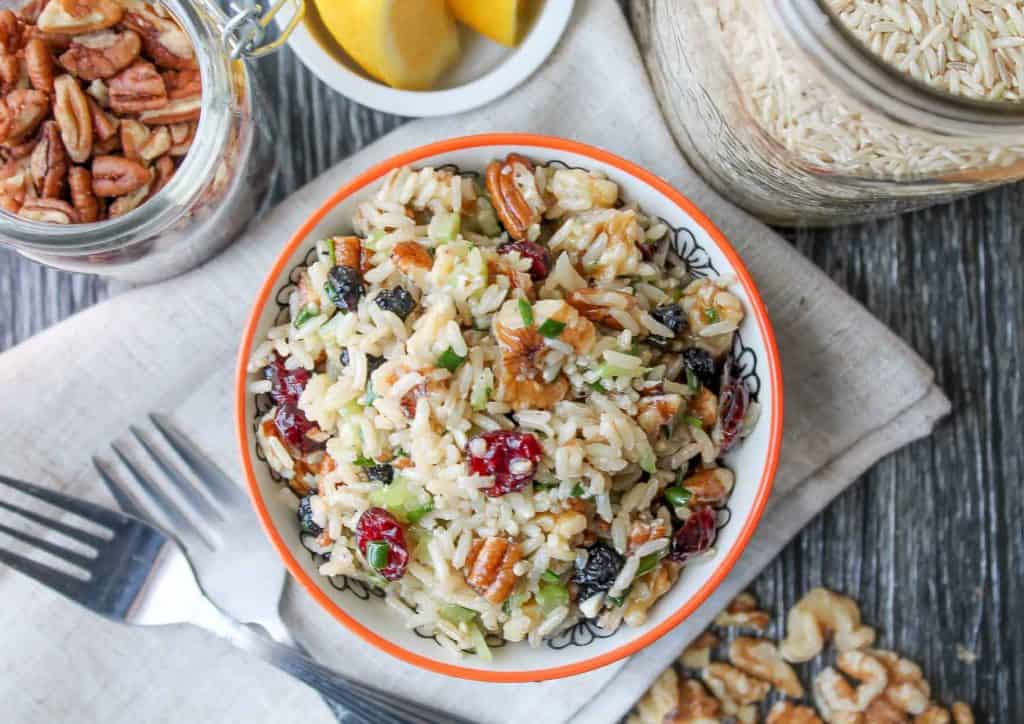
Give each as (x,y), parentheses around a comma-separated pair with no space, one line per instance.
(135,144)
(822,112)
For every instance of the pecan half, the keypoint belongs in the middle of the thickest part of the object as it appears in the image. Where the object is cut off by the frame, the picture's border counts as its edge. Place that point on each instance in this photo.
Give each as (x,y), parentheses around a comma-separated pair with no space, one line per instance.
(142,143)
(104,125)
(53,211)
(82,197)
(182,135)
(29,12)
(489,568)
(164,169)
(348,251)
(177,111)
(74,17)
(71,109)
(13,74)
(117,176)
(39,64)
(165,42)
(137,88)
(183,84)
(101,55)
(49,162)
(513,209)
(105,148)
(21,113)
(54,41)
(15,180)
(129,202)
(11,35)
(410,257)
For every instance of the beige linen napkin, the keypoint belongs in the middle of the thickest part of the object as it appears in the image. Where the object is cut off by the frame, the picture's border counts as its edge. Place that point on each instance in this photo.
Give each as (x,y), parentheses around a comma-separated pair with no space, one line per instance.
(72,389)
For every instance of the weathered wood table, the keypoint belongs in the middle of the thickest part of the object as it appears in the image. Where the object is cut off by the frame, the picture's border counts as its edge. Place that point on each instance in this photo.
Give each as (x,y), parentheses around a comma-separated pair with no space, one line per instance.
(930,541)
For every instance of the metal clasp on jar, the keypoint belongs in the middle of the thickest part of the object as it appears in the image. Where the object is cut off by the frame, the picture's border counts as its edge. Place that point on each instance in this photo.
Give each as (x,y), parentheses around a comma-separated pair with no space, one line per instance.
(247,27)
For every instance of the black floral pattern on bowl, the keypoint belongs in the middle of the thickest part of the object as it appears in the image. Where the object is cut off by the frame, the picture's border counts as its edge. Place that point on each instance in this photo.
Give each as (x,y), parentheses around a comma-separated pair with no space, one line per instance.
(585,631)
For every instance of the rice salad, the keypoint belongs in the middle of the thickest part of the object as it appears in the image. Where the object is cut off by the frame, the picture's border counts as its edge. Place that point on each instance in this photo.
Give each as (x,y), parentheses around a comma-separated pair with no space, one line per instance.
(504,403)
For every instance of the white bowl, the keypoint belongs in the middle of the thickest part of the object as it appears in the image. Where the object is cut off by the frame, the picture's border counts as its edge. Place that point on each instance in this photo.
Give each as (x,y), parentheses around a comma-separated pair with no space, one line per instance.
(584,647)
(484,71)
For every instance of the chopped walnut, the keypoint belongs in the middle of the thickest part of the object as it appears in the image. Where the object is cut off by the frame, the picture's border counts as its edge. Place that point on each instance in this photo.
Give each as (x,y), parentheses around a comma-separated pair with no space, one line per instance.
(786,712)
(648,589)
(962,713)
(711,487)
(695,705)
(732,687)
(880,711)
(743,611)
(761,658)
(658,701)
(698,654)
(934,714)
(704,407)
(655,411)
(489,567)
(817,615)
(834,693)
(907,689)
(645,528)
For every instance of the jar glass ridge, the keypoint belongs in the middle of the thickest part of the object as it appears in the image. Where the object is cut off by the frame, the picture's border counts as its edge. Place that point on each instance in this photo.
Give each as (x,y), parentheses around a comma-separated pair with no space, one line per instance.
(217,189)
(790,116)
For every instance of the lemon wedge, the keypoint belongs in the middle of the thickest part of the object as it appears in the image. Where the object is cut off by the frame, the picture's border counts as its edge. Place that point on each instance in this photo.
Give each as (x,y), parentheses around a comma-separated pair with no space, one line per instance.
(405,43)
(503,21)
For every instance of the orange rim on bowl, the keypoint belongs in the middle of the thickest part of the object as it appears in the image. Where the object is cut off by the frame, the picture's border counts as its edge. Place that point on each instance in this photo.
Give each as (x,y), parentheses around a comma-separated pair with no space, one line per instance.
(549,143)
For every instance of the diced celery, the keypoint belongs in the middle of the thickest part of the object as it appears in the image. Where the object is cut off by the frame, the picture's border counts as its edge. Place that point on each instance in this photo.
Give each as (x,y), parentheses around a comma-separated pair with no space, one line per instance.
(552,595)
(476,636)
(486,217)
(648,462)
(550,576)
(606,370)
(457,614)
(444,228)
(331,254)
(414,515)
(393,497)
(480,394)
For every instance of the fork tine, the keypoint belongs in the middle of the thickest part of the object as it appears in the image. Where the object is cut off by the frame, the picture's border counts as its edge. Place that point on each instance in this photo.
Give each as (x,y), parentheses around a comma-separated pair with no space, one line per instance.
(180,524)
(219,484)
(70,531)
(200,504)
(82,561)
(125,500)
(90,511)
(51,577)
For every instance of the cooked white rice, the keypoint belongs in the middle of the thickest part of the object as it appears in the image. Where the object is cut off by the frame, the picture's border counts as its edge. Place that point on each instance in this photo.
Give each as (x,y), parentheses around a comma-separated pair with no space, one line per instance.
(582,358)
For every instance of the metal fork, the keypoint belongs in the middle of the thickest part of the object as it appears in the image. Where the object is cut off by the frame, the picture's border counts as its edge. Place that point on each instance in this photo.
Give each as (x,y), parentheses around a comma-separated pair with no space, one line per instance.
(137,574)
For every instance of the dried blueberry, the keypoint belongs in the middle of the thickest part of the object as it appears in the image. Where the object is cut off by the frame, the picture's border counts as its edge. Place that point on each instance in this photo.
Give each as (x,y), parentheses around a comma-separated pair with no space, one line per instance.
(381,473)
(373,361)
(599,572)
(396,300)
(306,517)
(672,316)
(344,287)
(700,362)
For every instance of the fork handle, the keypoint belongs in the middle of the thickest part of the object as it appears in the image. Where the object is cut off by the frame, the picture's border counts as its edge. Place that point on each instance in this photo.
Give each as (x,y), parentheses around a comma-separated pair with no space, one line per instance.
(362,700)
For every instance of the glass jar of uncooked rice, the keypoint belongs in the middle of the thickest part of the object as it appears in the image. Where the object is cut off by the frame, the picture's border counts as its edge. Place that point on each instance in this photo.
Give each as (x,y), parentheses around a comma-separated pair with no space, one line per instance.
(832,111)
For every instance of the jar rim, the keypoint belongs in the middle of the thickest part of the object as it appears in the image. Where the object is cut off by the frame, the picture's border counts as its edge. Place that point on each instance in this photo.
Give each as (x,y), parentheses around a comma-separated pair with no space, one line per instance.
(844,58)
(201,21)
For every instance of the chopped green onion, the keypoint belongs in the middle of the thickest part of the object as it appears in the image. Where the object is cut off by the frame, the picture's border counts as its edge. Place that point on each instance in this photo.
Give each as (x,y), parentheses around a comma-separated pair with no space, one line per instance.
(711,314)
(649,563)
(693,421)
(526,312)
(648,461)
(449,360)
(551,328)
(331,254)
(550,576)
(364,462)
(544,486)
(457,614)
(377,554)
(305,314)
(597,387)
(400,453)
(577,491)
(691,380)
(371,394)
(621,599)
(552,595)
(678,496)
(414,515)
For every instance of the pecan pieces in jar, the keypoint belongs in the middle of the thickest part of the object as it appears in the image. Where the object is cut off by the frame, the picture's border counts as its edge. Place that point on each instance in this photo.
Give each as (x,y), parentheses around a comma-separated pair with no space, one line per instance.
(99,99)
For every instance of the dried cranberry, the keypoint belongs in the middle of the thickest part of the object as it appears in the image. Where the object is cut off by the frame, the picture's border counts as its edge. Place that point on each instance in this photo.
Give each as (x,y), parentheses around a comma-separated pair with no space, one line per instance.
(672,316)
(700,362)
(377,524)
(285,385)
(540,260)
(501,451)
(695,535)
(295,427)
(732,409)
(344,287)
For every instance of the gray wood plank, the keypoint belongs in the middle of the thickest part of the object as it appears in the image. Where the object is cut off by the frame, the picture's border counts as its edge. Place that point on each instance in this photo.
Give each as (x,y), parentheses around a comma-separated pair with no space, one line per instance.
(929,541)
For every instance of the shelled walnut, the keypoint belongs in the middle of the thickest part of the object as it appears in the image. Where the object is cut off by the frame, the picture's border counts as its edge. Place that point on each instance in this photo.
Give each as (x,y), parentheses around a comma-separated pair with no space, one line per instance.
(98,93)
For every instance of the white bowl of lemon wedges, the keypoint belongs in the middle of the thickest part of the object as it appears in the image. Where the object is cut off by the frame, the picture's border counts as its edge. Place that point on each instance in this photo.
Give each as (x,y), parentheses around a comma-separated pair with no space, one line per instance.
(426,57)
